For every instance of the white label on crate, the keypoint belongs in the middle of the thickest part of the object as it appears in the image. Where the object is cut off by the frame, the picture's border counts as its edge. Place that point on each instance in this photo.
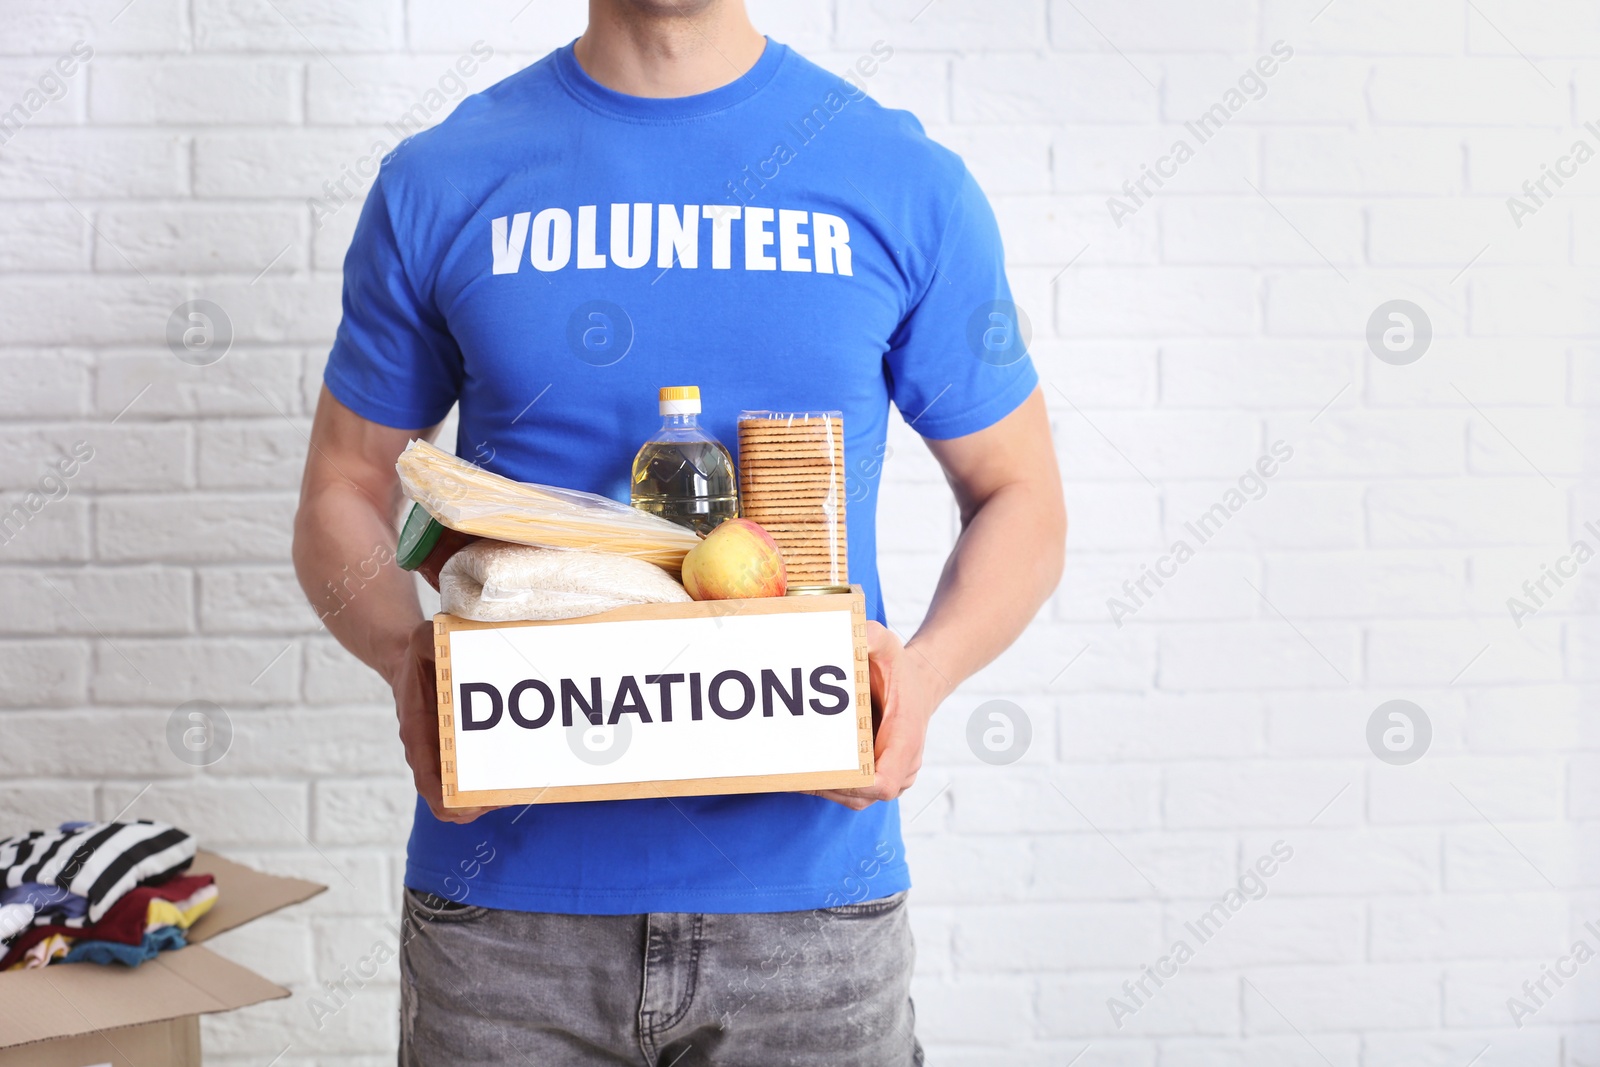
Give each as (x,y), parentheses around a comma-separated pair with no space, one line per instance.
(660,700)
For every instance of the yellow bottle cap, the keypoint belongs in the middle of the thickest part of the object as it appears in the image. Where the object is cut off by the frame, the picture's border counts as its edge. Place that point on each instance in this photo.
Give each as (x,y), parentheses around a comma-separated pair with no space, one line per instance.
(679,400)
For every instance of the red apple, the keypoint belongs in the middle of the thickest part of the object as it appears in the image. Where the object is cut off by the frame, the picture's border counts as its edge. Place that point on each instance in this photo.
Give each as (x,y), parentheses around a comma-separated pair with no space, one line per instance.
(736,560)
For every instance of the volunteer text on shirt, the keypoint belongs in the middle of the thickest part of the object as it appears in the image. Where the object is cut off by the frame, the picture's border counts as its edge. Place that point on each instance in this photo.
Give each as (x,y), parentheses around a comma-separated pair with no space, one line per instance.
(678,238)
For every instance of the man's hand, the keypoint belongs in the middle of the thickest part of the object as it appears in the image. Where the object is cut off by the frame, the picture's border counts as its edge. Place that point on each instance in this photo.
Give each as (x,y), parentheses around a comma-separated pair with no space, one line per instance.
(1005,564)
(416,704)
(906,690)
(348,503)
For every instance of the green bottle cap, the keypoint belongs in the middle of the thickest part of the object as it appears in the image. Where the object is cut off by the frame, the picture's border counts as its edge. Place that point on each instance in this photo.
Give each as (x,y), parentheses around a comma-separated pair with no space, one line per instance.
(417,538)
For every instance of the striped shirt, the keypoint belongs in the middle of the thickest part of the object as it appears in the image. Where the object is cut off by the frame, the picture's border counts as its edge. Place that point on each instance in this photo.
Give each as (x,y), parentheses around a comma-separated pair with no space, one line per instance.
(97,861)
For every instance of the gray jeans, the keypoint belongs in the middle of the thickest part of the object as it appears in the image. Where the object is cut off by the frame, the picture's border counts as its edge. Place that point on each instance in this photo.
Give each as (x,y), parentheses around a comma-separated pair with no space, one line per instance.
(828,988)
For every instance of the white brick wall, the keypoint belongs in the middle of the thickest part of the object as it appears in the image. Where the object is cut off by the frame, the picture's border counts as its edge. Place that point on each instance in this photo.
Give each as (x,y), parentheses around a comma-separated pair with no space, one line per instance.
(1168,754)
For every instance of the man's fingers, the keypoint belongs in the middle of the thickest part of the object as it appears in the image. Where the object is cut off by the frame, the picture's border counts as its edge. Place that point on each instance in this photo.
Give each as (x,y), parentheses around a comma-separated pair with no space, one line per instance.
(846,798)
(432,791)
(460,816)
(862,797)
(880,638)
(895,775)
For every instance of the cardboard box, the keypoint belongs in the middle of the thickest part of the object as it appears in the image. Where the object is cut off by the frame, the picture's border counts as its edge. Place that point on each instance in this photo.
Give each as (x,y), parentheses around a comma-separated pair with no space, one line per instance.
(87,1015)
(656,700)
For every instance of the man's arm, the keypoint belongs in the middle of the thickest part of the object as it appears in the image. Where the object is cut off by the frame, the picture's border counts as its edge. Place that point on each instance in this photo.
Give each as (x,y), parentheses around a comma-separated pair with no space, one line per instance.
(349,499)
(1005,564)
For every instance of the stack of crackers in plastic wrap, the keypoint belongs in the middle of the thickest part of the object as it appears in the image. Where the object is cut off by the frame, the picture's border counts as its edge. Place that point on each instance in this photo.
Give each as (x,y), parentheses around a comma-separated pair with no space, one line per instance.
(791,482)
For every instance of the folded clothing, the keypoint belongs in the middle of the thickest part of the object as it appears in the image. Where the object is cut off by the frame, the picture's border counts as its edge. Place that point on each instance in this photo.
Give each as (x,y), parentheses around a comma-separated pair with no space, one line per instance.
(162,939)
(97,861)
(14,918)
(492,581)
(179,913)
(48,900)
(128,921)
(44,953)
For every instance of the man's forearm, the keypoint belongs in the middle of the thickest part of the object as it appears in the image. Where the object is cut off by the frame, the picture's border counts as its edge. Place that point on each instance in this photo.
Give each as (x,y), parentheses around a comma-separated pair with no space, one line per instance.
(1003,568)
(344,551)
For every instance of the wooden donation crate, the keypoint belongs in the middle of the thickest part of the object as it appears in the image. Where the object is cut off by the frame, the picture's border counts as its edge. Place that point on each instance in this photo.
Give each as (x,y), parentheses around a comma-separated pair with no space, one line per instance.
(656,700)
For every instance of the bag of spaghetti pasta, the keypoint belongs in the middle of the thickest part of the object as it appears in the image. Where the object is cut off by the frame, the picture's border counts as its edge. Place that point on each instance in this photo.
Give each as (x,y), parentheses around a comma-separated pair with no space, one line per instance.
(473,501)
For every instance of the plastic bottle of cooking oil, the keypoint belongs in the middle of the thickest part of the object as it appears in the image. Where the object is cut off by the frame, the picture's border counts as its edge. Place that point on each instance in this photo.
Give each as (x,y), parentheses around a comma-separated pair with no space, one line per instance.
(683,473)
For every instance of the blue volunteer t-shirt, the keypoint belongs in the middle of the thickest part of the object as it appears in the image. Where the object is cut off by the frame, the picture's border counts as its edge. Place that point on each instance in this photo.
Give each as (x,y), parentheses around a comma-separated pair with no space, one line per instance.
(553,253)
